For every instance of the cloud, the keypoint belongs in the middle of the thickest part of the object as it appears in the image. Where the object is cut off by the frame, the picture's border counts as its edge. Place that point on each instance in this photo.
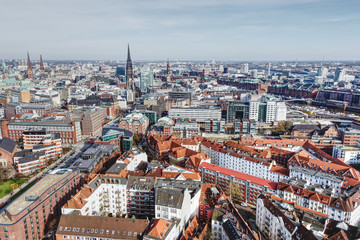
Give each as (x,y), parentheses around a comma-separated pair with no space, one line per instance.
(78,29)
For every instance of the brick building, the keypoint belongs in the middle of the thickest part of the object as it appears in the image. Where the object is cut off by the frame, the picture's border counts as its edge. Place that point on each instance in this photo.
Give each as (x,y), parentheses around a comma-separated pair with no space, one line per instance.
(136,123)
(70,132)
(29,215)
(7,151)
(91,120)
(239,186)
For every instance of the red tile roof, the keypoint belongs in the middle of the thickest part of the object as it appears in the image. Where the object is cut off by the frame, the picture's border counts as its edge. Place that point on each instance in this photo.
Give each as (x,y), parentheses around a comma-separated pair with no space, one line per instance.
(239,175)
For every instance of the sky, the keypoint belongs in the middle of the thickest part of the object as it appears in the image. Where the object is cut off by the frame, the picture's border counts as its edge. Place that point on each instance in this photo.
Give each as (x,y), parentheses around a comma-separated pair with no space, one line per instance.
(234,30)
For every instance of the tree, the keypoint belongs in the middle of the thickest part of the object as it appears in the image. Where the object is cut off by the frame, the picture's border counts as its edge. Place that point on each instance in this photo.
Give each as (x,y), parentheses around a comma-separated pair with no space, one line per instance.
(14,186)
(282,128)
(135,139)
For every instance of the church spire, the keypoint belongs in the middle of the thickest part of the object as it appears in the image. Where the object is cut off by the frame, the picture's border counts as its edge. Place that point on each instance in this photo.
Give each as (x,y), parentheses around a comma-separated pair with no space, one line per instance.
(29,69)
(129,72)
(41,64)
(168,78)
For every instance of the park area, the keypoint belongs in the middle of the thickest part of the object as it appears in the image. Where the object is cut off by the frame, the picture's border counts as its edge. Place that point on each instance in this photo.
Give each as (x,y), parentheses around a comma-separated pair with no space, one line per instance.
(6,186)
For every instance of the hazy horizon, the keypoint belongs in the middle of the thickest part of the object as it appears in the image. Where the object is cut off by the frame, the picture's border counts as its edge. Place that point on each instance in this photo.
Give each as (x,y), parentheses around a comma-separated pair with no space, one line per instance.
(230,30)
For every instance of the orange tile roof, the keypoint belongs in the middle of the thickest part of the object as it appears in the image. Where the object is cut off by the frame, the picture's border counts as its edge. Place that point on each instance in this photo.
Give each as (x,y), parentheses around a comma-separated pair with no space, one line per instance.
(193,175)
(79,199)
(320,165)
(159,228)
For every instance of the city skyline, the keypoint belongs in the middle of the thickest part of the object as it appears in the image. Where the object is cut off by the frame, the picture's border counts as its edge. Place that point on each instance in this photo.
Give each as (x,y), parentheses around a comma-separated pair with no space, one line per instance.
(192,30)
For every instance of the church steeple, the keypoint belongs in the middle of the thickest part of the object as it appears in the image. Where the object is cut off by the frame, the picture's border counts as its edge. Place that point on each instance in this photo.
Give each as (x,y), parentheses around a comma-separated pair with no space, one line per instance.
(29,69)
(168,78)
(129,72)
(41,64)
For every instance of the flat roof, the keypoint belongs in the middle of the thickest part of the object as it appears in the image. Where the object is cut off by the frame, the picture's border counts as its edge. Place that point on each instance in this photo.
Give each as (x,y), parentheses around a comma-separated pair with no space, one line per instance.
(59,124)
(36,191)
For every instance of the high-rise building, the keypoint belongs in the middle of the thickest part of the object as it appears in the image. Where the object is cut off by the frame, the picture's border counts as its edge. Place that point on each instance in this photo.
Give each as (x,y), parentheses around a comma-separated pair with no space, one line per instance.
(322,72)
(262,108)
(339,74)
(146,77)
(120,71)
(237,110)
(129,72)
(244,68)
(29,69)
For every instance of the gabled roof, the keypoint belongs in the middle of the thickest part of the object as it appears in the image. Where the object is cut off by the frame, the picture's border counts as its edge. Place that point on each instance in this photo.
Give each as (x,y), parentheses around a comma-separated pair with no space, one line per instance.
(158,228)
(7,144)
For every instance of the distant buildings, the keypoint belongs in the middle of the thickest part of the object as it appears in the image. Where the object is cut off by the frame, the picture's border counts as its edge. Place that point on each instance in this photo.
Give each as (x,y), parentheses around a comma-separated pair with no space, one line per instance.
(200,114)
(262,108)
(146,78)
(129,72)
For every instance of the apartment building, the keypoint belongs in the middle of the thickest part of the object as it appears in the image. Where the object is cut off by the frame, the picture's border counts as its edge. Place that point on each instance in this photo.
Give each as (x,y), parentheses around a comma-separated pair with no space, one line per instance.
(350,155)
(240,186)
(133,158)
(27,162)
(27,217)
(69,132)
(260,167)
(103,196)
(98,228)
(43,141)
(161,229)
(228,224)
(274,224)
(177,200)
(322,201)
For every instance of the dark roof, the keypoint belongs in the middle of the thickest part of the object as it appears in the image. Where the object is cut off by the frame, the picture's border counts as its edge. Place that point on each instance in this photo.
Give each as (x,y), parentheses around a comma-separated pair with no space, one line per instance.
(28,156)
(231,230)
(333,229)
(116,168)
(305,127)
(7,144)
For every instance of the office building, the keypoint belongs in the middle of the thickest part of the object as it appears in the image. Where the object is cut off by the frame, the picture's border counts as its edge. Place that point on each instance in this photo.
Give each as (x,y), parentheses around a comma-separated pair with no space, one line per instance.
(69,132)
(146,78)
(200,114)
(91,119)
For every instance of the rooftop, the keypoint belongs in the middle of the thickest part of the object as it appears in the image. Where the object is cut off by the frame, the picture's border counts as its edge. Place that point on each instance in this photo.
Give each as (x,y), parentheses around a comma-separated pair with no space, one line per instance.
(101,227)
(33,193)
